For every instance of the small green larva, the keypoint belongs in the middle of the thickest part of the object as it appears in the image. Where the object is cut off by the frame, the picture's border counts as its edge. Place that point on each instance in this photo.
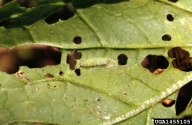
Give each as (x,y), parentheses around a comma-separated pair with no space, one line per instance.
(95,62)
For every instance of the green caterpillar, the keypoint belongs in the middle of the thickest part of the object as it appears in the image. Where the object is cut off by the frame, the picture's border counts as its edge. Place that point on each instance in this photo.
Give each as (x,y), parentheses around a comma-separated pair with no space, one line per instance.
(97,62)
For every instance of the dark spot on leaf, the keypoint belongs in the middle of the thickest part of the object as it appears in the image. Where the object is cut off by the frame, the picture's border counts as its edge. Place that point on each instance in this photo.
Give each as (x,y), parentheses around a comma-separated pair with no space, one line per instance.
(153,62)
(77,40)
(124,93)
(48,75)
(78,122)
(78,72)
(98,99)
(54,86)
(168,102)
(64,13)
(170,17)
(166,37)
(48,84)
(182,60)
(76,55)
(122,59)
(174,1)
(71,61)
(61,73)
(5,22)
(86,100)
(27,3)
(183,98)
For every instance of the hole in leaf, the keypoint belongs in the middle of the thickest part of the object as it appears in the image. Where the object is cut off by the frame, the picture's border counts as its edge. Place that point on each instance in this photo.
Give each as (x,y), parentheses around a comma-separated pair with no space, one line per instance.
(76,55)
(48,75)
(183,98)
(36,56)
(52,18)
(122,59)
(182,60)
(71,61)
(64,13)
(61,73)
(78,72)
(174,1)
(168,102)
(166,37)
(5,22)
(170,17)
(77,40)
(27,3)
(153,62)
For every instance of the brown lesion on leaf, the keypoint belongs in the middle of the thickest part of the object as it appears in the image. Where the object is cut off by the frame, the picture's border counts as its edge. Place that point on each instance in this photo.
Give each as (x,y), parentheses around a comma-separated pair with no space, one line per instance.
(168,102)
(158,71)
(48,75)
(20,75)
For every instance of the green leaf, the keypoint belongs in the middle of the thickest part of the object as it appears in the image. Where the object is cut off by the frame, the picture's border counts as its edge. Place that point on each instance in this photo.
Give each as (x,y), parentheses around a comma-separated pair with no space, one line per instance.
(106,93)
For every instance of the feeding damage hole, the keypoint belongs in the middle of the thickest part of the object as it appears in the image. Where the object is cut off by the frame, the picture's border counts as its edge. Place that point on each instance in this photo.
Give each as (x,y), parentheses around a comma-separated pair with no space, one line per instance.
(61,73)
(27,3)
(78,72)
(48,75)
(77,40)
(166,37)
(122,59)
(35,56)
(71,58)
(168,102)
(71,61)
(182,60)
(184,98)
(64,13)
(174,1)
(155,64)
(170,17)
(20,75)
(76,55)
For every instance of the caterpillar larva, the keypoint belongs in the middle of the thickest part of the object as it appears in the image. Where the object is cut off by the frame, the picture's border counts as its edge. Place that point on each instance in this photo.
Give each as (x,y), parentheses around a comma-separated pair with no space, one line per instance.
(97,62)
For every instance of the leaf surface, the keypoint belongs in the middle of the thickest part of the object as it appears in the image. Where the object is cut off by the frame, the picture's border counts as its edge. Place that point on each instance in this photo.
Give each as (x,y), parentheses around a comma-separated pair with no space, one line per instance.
(101,94)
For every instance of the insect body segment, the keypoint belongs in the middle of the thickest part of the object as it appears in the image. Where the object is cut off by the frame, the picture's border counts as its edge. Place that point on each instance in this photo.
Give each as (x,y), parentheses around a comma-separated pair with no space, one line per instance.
(97,62)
